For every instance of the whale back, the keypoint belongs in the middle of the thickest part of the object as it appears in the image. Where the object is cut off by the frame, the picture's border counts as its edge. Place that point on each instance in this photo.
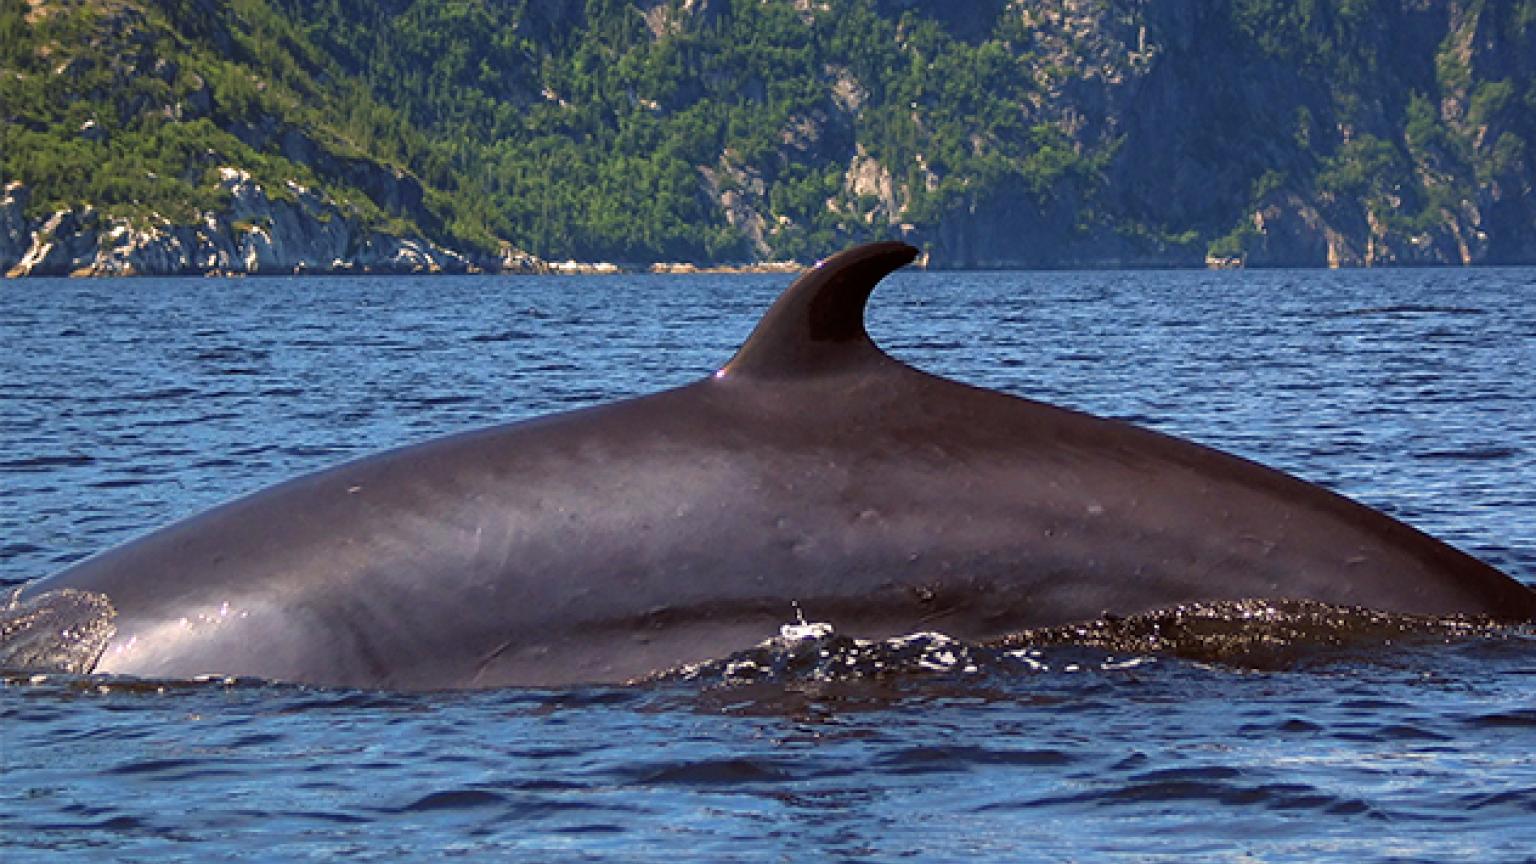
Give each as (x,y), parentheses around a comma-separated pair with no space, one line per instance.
(607,543)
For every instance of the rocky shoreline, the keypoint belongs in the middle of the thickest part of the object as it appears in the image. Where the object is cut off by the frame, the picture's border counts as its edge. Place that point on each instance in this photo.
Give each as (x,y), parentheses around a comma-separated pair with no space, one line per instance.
(292,230)
(295,231)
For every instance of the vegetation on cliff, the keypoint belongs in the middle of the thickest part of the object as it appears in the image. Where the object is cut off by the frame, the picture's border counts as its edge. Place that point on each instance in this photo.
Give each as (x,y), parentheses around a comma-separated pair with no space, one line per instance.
(999,132)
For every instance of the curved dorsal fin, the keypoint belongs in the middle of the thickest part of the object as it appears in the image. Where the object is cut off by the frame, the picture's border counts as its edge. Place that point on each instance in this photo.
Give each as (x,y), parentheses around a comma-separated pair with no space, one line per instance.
(817,324)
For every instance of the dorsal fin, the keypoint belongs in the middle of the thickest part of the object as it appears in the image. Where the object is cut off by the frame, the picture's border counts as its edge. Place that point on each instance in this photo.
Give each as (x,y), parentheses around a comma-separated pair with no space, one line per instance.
(817,324)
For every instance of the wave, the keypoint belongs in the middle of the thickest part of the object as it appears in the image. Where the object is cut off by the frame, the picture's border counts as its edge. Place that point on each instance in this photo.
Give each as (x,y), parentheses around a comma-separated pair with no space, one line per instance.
(1253,634)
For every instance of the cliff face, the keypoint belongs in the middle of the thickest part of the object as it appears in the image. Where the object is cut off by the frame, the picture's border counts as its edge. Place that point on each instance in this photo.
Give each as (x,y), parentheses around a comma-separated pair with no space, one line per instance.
(263,136)
(15,231)
(1253,132)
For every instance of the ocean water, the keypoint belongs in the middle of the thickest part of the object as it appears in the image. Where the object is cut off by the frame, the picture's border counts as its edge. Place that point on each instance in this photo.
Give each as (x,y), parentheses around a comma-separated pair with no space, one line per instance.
(125,404)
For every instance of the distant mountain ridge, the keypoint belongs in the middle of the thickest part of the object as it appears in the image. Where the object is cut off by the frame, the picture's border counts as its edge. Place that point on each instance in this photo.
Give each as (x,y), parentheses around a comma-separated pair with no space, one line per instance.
(184,136)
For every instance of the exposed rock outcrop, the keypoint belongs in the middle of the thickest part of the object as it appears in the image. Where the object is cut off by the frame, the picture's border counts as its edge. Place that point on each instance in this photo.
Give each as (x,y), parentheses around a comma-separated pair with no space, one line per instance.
(295,230)
(15,234)
(740,191)
(872,189)
(1290,231)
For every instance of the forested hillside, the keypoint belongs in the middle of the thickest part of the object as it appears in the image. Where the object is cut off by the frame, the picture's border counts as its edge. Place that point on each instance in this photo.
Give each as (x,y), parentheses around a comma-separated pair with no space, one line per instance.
(270,135)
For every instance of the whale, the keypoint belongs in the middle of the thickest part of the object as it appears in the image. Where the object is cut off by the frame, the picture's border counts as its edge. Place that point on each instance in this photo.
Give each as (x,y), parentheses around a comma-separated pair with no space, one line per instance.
(811,472)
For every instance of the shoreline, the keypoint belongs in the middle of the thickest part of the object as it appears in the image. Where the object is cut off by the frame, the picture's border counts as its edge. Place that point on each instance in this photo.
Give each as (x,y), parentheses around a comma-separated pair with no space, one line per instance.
(563,268)
(780,268)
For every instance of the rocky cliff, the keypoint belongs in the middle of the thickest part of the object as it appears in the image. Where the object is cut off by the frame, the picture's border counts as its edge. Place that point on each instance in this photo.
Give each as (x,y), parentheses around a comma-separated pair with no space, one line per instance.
(1274,135)
(301,232)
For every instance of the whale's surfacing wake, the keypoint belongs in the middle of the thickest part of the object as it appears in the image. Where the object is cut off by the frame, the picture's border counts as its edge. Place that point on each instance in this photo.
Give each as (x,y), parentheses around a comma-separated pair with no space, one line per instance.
(618,542)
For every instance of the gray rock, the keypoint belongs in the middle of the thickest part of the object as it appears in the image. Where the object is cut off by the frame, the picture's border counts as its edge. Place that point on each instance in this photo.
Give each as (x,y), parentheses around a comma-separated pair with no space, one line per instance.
(297,231)
(15,233)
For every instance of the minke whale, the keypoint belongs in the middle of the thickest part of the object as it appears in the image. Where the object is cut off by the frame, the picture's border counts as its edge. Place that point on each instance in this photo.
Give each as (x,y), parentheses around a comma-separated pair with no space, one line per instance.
(614,542)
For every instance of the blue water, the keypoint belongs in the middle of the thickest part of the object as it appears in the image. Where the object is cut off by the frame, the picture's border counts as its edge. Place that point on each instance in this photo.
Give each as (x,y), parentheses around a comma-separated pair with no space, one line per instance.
(127,403)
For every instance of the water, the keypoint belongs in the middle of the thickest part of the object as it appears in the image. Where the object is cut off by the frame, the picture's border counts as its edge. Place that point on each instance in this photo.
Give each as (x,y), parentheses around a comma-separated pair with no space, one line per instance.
(127,403)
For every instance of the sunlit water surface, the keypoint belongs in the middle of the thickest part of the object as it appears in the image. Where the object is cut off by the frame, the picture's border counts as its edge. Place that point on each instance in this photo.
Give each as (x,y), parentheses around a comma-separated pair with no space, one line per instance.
(127,403)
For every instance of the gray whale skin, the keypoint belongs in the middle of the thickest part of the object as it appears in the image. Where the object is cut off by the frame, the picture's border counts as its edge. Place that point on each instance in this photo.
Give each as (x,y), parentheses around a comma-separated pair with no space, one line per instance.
(609,543)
